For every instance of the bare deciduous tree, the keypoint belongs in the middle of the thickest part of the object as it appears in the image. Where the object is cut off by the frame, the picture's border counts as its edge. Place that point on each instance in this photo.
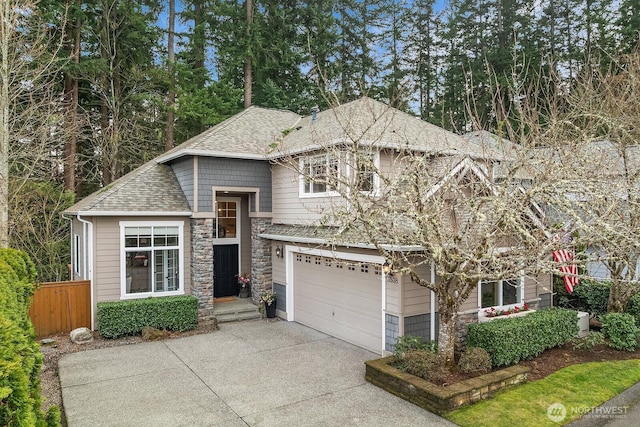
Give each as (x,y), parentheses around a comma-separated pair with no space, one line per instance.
(592,151)
(425,199)
(30,103)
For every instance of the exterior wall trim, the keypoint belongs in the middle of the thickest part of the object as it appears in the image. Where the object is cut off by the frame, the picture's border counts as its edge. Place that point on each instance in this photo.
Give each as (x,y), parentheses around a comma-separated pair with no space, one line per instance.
(254,190)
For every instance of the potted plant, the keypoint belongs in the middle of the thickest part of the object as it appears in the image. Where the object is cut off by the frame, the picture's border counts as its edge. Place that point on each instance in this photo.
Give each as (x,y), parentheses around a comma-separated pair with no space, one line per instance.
(244,284)
(268,298)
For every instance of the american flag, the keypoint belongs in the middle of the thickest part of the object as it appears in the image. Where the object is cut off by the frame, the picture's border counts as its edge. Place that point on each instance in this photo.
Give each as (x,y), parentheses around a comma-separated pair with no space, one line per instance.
(570,270)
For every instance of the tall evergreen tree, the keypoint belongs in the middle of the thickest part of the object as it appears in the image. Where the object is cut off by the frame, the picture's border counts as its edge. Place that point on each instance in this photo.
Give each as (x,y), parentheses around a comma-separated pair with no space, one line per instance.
(422,48)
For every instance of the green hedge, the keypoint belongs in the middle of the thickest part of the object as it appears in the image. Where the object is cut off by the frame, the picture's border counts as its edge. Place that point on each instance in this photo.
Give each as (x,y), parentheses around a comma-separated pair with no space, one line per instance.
(509,341)
(621,330)
(593,297)
(20,357)
(119,318)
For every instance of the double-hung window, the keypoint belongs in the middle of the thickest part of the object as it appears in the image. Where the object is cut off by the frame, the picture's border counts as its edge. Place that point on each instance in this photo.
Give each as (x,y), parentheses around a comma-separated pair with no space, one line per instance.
(500,292)
(318,175)
(152,258)
(366,176)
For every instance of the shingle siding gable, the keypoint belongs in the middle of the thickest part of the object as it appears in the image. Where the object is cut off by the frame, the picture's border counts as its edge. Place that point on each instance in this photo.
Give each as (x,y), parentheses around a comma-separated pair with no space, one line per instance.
(183,169)
(221,172)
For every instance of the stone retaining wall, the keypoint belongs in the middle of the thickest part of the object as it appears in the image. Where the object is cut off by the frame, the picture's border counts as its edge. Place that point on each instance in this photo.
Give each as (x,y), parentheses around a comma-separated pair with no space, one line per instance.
(439,399)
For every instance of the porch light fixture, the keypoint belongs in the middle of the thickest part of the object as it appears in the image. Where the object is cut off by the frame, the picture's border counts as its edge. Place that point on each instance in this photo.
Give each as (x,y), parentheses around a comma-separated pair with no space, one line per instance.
(386,268)
(279,251)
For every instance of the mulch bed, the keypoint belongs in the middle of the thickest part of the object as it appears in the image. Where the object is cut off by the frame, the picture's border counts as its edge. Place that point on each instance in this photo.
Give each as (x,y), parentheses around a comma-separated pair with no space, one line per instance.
(563,356)
(554,359)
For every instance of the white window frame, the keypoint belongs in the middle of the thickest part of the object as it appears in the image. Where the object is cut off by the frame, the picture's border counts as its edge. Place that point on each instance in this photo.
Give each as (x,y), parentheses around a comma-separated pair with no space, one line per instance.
(228,240)
(304,162)
(501,305)
(376,177)
(123,262)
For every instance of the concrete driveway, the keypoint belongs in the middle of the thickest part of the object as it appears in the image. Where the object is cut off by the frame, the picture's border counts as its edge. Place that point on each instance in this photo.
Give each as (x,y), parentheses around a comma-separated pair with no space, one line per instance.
(250,373)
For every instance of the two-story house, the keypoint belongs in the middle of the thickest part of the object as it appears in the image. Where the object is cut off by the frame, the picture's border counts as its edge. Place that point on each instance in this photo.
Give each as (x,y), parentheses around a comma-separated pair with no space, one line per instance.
(225,203)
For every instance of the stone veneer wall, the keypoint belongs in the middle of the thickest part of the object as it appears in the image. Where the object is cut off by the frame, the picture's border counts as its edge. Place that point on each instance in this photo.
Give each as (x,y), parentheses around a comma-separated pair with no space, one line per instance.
(392,331)
(202,265)
(418,326)
(261,276)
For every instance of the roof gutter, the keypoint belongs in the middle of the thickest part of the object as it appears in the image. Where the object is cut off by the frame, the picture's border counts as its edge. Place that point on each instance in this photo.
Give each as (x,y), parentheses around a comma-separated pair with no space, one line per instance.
(207,153)
(126,213)
(325,242)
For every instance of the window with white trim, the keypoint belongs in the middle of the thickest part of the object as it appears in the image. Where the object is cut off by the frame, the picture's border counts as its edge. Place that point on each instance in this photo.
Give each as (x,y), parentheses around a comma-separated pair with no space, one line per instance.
(152,258)
(367,179)
(500,292)
(318,172)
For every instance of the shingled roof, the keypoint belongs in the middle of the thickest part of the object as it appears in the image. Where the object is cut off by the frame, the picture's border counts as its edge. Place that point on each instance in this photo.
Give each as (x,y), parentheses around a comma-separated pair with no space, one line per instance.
(151,188)
(262,133)
(247,135)
(367,122)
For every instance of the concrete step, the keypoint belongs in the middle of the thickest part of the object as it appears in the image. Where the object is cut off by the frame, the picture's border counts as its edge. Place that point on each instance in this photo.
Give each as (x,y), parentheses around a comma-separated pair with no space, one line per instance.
(238,315)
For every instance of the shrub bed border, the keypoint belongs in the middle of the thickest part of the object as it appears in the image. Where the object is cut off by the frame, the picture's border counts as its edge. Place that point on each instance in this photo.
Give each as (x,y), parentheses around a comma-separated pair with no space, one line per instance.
(438,399)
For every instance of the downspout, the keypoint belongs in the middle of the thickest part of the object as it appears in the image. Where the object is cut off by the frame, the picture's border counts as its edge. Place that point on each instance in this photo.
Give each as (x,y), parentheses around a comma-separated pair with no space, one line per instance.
(89,257)
(384,311)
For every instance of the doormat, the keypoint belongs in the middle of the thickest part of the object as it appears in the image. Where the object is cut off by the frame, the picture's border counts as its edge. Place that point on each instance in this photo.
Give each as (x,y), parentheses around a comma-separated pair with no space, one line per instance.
(224,299)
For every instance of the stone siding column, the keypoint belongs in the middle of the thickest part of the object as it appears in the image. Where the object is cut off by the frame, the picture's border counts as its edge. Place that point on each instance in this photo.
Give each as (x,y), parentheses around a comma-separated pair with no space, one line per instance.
(202,265)
(261,276)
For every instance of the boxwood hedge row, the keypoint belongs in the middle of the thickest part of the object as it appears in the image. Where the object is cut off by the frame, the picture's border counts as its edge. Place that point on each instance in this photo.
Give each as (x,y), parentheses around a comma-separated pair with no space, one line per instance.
(20,356)
(509,341)
(119,318)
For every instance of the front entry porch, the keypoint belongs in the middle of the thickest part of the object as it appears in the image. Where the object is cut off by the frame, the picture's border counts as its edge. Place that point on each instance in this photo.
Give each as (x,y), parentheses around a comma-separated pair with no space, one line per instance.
(232,309)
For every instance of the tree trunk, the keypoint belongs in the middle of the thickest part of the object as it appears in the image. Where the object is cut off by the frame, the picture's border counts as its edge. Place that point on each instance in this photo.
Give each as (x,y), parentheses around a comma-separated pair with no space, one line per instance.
(447,332)
(618,298)
(71,101)
(171,96)
(248,82)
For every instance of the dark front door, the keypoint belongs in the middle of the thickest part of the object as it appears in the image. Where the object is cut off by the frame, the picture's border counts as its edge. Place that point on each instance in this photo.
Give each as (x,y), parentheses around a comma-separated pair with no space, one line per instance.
(225,270)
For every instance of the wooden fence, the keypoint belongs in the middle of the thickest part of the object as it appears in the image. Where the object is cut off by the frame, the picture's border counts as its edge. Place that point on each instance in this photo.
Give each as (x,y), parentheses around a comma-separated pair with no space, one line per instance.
(61,307)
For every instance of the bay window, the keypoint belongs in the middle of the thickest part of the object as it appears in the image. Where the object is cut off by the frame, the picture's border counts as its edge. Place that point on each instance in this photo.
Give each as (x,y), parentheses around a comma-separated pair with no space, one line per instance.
(151,257)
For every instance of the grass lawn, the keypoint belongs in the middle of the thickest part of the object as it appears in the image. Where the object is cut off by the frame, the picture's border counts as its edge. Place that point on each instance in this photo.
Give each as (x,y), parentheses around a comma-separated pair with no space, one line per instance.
(578,387)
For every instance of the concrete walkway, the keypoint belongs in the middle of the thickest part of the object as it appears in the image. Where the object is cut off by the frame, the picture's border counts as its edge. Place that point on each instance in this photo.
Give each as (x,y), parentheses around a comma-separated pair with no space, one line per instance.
(250,373)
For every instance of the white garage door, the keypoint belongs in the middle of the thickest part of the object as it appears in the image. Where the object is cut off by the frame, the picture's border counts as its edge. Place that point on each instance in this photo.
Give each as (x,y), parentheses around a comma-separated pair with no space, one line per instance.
(338,297)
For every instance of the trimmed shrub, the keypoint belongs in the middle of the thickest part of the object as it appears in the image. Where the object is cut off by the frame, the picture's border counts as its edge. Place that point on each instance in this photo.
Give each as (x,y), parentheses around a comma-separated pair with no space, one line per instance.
(119,318)
(594,296)
(425,364)
(621,330)
(20,357)
(633,308)
(474,359)
(509,341)
(588,342)
(409,342)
